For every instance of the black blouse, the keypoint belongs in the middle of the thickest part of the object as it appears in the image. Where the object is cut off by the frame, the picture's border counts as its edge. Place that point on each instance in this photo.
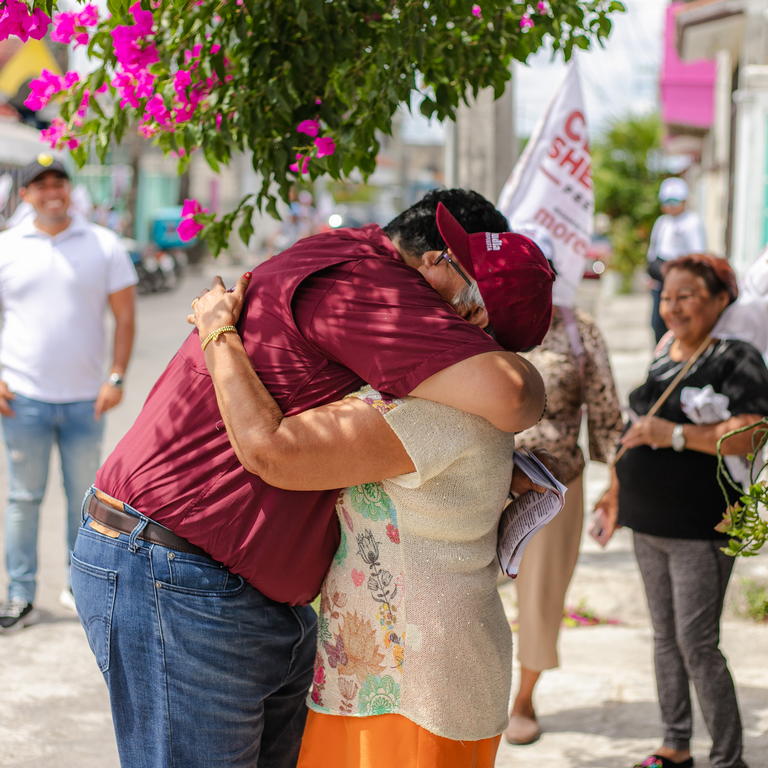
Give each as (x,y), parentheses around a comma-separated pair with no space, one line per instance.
(676,495)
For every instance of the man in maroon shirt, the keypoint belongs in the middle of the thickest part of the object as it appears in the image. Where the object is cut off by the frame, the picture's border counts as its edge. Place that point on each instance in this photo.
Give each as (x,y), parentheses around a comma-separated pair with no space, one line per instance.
(192,576)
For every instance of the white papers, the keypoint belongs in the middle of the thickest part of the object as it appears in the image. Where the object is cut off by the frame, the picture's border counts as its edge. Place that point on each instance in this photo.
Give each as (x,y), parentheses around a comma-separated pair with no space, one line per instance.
(527,513)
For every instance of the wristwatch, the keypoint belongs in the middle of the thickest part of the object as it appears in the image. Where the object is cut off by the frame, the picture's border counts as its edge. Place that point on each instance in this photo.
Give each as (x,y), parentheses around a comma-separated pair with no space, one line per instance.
(116,380)
(678,438)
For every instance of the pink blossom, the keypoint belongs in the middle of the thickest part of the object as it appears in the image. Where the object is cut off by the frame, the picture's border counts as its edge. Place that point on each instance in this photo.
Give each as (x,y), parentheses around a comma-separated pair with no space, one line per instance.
(133,43)
(64,27)
(325,146)
(310,127)
(82,110)
(89,16)
(194,53)
(142,19)
(155,107)
(56,135)
(191,207)
(219,120)
(526,21)
(74,25)
(301,165)
(147,130)
(542,7)
(188,227)
(133,86)
(45,87)
(16,19)
(477,11)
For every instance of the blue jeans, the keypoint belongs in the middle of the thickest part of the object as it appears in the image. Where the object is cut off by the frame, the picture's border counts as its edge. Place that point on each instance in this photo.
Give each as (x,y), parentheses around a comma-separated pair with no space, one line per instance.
(202,669)
(29,436)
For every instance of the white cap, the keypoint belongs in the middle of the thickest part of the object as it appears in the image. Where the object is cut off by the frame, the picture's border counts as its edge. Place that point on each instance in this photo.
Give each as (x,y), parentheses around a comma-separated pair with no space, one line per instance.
(673,188)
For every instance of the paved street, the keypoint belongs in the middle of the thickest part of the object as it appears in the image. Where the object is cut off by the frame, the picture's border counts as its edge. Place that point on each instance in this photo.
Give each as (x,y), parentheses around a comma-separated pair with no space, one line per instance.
(598,710)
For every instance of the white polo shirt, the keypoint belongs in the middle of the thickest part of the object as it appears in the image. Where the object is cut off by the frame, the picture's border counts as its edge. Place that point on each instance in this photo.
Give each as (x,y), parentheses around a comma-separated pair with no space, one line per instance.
(53,296)
(675,236)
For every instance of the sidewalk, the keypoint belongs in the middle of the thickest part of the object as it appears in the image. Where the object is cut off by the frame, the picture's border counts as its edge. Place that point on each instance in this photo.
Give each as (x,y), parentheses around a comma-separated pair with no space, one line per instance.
(598,710)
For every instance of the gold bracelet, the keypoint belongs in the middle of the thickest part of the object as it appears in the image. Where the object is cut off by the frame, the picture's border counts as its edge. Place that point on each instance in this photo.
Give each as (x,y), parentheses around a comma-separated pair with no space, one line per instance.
(214,334)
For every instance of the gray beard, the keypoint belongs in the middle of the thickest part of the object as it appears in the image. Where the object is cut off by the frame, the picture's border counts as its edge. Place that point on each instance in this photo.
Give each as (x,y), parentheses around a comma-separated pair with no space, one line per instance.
(469,296)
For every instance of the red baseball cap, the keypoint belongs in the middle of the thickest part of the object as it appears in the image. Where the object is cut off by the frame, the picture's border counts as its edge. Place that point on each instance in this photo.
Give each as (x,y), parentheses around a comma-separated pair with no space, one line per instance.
(514,279)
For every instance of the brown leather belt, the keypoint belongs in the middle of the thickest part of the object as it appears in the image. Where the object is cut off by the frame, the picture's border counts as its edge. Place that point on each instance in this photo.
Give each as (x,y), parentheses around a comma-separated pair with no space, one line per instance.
(111,513)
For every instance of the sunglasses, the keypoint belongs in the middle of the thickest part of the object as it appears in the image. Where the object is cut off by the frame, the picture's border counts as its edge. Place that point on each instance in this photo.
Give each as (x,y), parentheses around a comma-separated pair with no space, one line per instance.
(445,256)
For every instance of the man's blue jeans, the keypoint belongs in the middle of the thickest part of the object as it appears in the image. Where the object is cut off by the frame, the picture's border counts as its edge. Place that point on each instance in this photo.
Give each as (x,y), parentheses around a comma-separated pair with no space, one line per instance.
(202,669)
(29,436)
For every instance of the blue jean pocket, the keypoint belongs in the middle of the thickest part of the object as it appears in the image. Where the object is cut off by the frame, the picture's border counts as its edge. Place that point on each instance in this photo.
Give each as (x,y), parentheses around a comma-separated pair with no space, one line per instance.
(94,589)
(194,575)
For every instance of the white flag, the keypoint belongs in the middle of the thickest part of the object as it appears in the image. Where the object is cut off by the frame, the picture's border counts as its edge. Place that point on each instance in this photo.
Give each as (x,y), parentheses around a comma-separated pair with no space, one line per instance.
(551,186)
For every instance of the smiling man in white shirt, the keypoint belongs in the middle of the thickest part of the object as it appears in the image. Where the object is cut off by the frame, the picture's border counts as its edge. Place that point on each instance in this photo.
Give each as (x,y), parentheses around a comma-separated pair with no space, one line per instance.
(58,275)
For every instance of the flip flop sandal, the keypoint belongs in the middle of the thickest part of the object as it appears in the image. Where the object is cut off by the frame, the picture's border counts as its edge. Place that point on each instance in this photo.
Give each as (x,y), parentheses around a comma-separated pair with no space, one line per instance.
(657,761)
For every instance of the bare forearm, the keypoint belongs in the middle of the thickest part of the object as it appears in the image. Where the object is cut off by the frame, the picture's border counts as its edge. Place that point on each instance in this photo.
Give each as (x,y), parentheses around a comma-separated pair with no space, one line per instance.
(125,330)
(250,414)
(704,437)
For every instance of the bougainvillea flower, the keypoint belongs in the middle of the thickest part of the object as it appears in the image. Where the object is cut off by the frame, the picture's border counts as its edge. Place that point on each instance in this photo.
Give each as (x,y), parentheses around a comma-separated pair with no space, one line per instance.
(188,227)
(542,7)
(477,10)
(69,25)
(45,87)
(325,146)
(56,135)
(191,207)
(301,165)
(526,21)
(156,108)
(89,16)
(310,127)
(64,28)
(16,19)
(133,43)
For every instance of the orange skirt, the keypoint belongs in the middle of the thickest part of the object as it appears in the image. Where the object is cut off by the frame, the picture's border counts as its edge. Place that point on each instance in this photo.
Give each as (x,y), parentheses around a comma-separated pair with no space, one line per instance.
(386,741)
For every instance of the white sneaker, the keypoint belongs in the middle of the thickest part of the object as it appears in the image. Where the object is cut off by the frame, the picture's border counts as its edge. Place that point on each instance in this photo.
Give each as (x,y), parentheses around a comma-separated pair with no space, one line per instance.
(67,600)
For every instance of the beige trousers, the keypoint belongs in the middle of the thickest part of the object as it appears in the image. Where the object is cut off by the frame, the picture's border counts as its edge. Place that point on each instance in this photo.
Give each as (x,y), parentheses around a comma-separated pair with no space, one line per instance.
(545,574)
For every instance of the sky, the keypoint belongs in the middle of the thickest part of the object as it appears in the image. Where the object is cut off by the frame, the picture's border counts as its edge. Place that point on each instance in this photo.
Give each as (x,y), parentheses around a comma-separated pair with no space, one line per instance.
(620,79)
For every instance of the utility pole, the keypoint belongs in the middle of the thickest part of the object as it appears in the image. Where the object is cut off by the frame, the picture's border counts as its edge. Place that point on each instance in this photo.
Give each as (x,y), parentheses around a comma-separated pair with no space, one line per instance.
(481,145)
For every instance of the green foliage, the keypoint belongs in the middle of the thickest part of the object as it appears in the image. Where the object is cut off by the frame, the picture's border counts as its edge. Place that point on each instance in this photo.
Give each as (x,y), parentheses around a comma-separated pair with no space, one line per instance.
(744,521)
(626,187)
(347,63)
(754,600)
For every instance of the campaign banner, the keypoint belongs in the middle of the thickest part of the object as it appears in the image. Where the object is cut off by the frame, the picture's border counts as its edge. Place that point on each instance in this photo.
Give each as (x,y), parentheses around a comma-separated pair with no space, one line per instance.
(550,188)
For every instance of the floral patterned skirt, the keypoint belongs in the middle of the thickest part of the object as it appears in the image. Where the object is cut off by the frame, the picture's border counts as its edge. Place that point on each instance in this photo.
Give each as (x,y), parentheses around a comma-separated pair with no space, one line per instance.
(386,741)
